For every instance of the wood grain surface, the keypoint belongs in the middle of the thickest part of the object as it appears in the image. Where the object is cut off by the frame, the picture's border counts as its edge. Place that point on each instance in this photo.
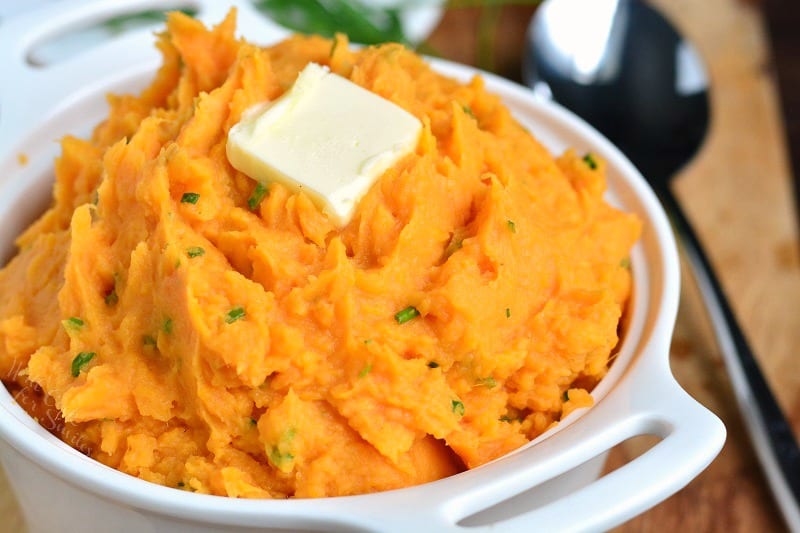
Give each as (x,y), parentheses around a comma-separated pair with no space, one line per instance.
(738,194)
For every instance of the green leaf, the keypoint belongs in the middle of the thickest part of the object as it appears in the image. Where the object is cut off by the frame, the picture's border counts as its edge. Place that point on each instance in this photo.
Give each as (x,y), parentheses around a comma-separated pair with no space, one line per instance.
(362,23)
(80,362)
(123,23)
(458,407)
(590,162)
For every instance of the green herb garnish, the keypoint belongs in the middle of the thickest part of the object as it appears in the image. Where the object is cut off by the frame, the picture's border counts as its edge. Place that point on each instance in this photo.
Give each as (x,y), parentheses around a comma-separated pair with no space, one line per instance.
(80,362)
(73,323)
(148,340)
(433,364)
(364,371)
(455,244)
(508,312)
(590,162)
(234,314)
(625,263)
(280,453)
(406,314)
(489,382)
(458,407)
(566,396)
(258,195)
(195,251)
(123,23)
(511,226)
(111,298)
(167,325)
(190,198)
(363,23)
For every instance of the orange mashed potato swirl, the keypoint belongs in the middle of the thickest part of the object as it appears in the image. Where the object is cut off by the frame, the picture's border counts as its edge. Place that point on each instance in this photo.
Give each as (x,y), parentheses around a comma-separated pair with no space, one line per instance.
(173,320)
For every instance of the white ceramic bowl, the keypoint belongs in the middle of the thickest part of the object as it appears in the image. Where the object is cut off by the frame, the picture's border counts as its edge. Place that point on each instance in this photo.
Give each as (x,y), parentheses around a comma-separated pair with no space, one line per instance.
(550,484)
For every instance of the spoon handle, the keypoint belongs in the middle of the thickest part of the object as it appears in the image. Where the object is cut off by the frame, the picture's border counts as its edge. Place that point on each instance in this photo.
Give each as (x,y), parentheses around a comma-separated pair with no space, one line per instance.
(770,432)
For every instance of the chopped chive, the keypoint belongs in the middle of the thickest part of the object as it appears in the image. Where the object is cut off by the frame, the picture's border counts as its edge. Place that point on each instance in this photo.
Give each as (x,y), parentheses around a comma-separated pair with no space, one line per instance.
(258,195)
(433,364)
(364,371)
(111,298)
(506,418)
(279,454)
(406,314)
(625,263)
(458,407)
(511,226)
(590,162)
(73,323)
(166,326)
(468,111)
(508,312)
(148,340)
(489,382)
(190,198)
(195,251)
(566,395)
(80,362)
(279,459)
(253,421)
(453,246)
(234,314)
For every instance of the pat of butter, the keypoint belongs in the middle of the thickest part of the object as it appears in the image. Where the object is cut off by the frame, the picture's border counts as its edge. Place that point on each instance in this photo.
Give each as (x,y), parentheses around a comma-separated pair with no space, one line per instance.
(327,136)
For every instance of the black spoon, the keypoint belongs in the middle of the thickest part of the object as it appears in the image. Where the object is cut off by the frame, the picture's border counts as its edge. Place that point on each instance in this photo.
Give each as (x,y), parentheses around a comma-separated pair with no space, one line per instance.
(623,68)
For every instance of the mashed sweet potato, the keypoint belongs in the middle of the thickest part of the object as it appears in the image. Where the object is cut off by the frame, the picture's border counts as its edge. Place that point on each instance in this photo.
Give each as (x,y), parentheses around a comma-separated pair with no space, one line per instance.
(173,320)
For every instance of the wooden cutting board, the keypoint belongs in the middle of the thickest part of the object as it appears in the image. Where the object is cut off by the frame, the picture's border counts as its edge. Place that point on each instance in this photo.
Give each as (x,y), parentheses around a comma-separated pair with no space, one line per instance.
(738,193)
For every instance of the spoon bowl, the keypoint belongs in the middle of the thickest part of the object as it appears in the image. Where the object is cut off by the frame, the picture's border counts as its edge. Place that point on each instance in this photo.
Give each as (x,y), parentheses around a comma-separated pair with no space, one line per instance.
(625,69)
(629,74)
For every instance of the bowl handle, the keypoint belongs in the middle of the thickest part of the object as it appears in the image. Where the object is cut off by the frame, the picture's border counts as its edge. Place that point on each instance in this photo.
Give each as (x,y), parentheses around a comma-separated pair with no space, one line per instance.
(30,94)
(654,404)
(648,401)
